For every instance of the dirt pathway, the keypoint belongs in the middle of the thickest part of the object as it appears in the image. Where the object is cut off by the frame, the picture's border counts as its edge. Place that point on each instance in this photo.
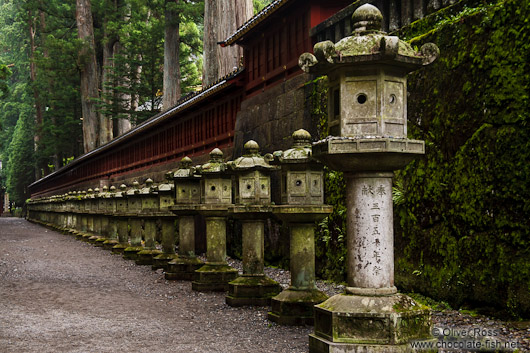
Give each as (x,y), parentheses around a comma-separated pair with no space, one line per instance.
(58,294)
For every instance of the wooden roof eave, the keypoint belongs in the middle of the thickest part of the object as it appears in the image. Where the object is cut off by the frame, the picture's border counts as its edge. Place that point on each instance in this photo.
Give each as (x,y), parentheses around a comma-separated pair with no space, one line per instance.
(238,35)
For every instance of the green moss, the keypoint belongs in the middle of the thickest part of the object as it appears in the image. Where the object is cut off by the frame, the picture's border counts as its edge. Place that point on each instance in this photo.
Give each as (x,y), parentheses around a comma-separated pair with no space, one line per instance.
(464,230)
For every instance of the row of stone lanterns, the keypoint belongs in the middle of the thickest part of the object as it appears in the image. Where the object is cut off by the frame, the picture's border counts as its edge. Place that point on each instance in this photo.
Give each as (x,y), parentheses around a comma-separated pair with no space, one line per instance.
(125,221)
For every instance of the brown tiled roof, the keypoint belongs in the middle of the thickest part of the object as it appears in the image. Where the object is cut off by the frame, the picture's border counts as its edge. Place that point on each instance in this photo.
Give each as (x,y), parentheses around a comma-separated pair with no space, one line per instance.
(253,22)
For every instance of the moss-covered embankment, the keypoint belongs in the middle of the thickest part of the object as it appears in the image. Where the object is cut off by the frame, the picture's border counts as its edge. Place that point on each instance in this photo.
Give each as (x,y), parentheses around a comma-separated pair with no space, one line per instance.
(463,210)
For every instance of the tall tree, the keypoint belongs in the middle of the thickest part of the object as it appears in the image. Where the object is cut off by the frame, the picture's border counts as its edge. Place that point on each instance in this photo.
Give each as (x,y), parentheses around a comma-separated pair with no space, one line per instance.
(171,86)
(20,163)
(221,19)
(89,75)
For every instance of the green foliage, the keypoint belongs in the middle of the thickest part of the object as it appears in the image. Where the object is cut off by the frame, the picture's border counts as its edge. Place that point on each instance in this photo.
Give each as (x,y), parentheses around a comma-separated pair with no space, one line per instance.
(4,74)
(464,207)
(20,164)
(260,5)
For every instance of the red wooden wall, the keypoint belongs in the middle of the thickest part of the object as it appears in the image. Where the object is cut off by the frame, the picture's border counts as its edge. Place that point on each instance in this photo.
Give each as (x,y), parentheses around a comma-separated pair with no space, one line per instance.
(273,56)
(194,132)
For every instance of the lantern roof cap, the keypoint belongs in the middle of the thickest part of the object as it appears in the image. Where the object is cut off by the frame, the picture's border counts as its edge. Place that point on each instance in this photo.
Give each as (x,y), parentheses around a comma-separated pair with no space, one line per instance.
(368,44)
(215,165)
(251,159)
(186,170)
(300,152)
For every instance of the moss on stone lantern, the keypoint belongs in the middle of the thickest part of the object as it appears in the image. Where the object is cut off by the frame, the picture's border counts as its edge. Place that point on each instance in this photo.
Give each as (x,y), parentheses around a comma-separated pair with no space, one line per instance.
(123,220)
(112,239)
(252,208)
(150,208)
(368,120)
(134,209)
(216,197)
(188,196)
(302,206)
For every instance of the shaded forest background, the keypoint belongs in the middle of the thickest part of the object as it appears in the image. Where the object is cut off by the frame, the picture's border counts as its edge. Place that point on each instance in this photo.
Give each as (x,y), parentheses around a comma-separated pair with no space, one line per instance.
(43,56)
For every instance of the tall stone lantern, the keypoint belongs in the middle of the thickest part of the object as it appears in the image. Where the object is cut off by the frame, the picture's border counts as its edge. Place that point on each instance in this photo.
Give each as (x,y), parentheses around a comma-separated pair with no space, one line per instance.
(187,198)
(368,118)
(122,220)
(89,206)
(134,209)
(302,198)
(166,195)
(103,204)
(252,208)
(150,208)
(216,198)
(112,200)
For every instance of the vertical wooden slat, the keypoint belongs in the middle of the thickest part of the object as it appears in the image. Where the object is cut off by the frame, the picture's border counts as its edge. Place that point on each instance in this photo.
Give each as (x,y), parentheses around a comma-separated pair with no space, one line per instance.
(406,12)
(418,9)
(393,16)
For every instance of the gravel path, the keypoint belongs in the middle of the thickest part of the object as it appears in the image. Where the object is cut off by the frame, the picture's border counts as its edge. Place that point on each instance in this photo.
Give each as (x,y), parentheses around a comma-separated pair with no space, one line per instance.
(58,294)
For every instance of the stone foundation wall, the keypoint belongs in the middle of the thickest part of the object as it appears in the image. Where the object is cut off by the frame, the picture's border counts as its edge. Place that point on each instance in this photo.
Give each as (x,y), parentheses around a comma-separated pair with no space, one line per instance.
(270,117)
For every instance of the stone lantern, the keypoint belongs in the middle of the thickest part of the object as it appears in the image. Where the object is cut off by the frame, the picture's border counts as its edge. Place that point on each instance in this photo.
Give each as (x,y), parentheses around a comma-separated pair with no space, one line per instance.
(82,214)
(253,207)
(122,220)
(166,196)
(112,200)
(76,216)
(302,206)
(102,220)
(187,197)
(134,209)
(90,204)
(302,177)
(216,197)
(150,208)
(367,75)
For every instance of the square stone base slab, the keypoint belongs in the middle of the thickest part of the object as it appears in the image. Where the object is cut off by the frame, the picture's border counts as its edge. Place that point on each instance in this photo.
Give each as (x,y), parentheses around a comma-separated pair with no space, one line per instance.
(370,320)
(252,290)
(213,277)
(321,345)
(161,261)
(109,244)
(85,237)
(93,239)
(131,252)
(145,257)
(182,268)
(295,307)
(99,242)
(119,248)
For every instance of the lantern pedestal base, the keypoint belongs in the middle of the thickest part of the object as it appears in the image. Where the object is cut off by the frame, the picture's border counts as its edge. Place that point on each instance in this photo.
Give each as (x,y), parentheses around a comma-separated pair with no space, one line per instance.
(252,290)
(131,253)
(369,323)
(295,307)
(109,244)
(100,241)
(182,268)
(119,248)
(161,261)
(145,257)
(213,277)
(85,237)
(93,239)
